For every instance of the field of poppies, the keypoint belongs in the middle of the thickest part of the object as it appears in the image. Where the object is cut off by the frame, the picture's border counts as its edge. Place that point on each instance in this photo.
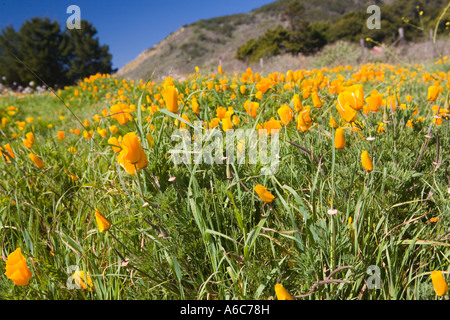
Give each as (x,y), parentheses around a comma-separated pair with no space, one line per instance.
(93,205)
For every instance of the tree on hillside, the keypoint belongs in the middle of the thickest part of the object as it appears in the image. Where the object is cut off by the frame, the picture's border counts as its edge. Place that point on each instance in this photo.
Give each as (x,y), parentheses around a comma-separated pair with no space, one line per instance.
(293,13)
(9,40)
(308,38)
(268,45)
(349,27)
(43,49)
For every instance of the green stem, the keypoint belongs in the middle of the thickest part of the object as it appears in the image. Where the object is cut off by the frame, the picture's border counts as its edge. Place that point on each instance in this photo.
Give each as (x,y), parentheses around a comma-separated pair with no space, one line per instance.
(139,182)
(333,228)
(437,25)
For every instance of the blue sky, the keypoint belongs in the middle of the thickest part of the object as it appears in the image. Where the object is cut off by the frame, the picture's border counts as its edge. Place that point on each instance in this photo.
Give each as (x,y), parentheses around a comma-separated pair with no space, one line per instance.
(128,27)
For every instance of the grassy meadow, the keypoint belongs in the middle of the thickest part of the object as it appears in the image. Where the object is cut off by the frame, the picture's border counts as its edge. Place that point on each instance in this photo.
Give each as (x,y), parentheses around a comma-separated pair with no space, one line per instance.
(105,214)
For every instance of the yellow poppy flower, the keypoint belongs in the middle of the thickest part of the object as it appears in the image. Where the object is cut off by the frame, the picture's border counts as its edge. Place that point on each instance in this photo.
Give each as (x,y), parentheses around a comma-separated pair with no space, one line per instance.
(439,284)
(16,268)
(297,103)
(80,280)
(120,112)
(76,131)
(374,101)
(102,132)
(304,120)
(7,152)
(182,123)
(333,123)
(263,85)
(114,144)
(195,106)
(350,101)
(272,124)
(433,93)
(36,160)
(88,134)
(264,194)
(29,140)
(227,124)
(132,155)
(344,107)
(316,100)
(286,114)
(358,96)
(170,96)
(251,108)
(366,161)
(221,112)
(339,139)
(236,120)
(72,150)
(282,293)
(102,223)
(113,129)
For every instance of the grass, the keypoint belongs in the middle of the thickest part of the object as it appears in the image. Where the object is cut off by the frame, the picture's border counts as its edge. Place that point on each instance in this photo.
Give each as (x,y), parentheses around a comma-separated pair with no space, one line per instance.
(207,234)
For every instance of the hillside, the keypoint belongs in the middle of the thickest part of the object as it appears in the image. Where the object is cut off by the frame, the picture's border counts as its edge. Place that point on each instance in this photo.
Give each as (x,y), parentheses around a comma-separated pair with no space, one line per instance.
(207,42)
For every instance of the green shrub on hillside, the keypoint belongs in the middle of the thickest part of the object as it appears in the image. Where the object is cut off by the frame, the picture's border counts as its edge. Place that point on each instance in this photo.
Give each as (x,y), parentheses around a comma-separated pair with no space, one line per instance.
(269,44)
(308,38)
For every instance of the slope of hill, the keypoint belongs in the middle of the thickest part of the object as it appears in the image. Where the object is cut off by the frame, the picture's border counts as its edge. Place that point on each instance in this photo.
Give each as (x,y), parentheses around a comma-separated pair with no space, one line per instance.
(207,43)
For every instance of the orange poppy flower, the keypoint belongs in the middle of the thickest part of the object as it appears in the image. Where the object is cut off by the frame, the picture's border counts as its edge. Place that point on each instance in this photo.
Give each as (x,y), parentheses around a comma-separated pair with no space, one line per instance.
(366,161)
(339,139)
(282,293)
(264,194)
(16,268)
(132,155)
(102,223)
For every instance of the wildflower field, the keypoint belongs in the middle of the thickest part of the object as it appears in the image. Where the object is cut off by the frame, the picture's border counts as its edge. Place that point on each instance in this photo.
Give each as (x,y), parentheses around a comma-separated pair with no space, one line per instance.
(93,206)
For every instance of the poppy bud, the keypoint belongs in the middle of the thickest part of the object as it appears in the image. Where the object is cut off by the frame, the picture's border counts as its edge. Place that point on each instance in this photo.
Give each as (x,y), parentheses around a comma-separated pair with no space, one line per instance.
(366,161)
(339,139)
(102,223)
(439,284)
(37,161)
(282,293)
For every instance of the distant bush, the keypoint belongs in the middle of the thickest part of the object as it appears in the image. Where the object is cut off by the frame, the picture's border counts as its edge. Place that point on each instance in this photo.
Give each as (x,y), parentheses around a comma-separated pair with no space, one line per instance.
(307,39)
(340,53)
(192,50)
(269,44)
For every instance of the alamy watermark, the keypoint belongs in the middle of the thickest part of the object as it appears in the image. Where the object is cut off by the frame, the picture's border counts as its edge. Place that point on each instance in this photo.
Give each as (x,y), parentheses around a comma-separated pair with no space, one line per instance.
(374,21)
(74,20)
(241,146)
(72,282)
(374,281)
